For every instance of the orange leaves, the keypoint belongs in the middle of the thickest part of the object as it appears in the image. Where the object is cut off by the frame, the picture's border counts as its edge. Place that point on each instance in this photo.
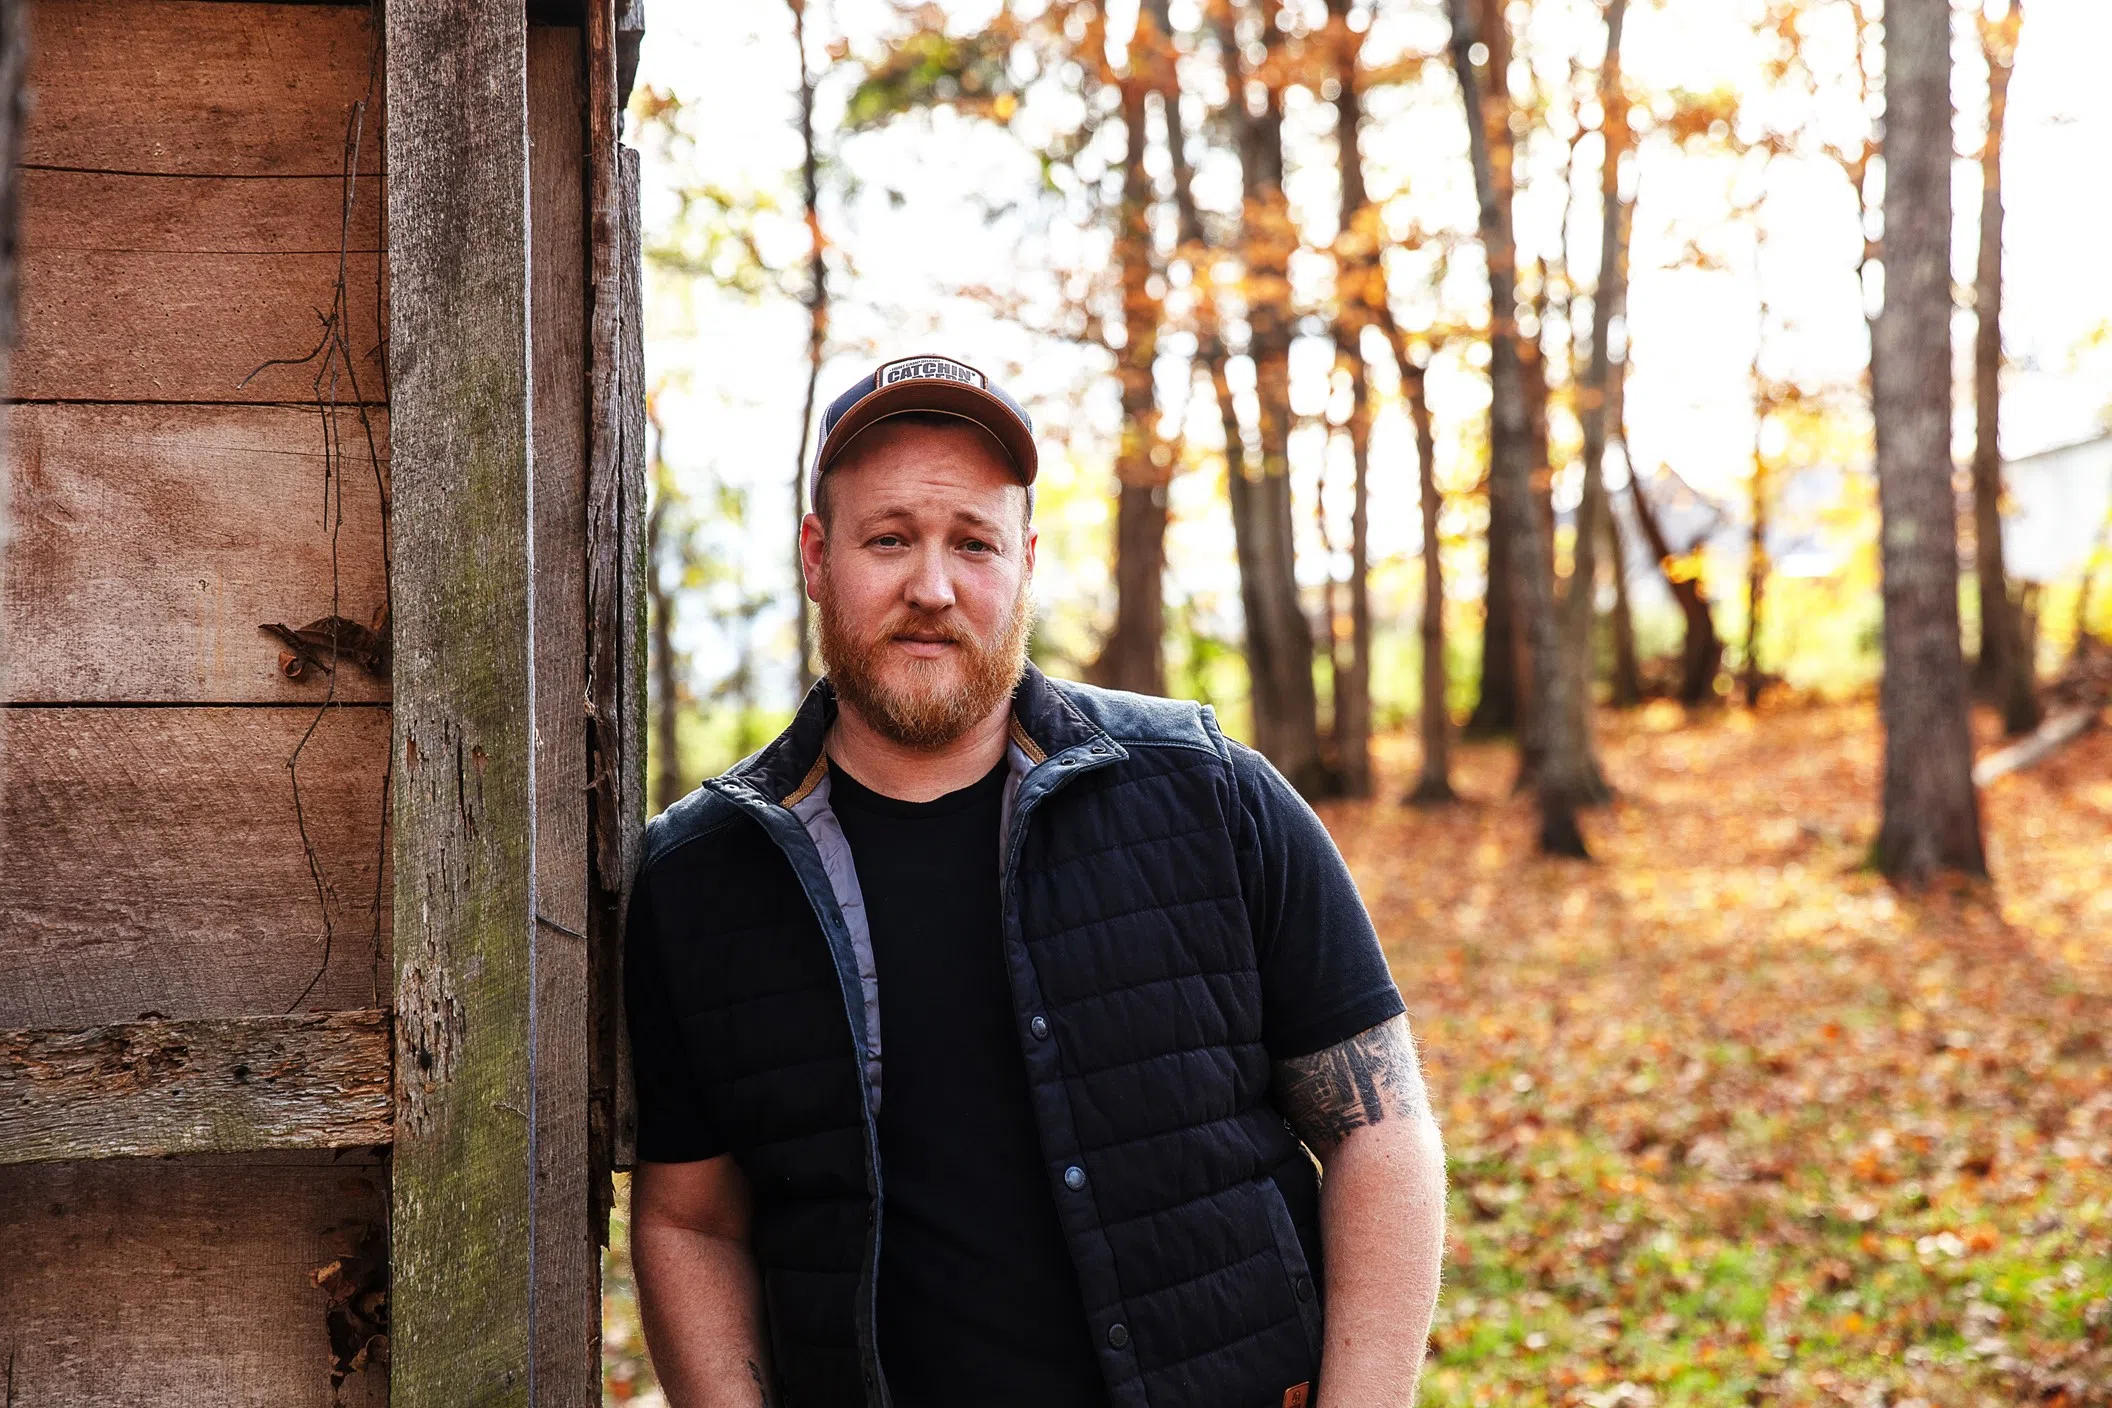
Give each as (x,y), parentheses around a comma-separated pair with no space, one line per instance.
(1783,1124)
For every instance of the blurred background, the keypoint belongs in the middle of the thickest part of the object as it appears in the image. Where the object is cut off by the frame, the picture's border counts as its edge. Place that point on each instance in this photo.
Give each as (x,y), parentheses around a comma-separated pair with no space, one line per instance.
(1731,1118)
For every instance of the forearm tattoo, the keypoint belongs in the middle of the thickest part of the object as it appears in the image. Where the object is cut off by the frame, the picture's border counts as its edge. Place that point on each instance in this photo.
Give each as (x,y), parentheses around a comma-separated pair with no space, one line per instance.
(1371,1077)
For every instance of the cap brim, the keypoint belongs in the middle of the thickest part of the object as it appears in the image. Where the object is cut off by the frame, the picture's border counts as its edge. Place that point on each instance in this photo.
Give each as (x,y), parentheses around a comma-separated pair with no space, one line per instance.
(946,398)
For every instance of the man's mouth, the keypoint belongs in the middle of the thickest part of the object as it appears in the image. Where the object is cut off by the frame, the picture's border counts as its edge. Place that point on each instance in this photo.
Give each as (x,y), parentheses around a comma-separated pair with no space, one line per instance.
(925,645)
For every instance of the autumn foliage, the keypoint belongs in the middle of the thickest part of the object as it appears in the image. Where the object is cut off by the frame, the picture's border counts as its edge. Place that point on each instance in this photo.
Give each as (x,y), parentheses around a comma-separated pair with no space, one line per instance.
(1730,1119)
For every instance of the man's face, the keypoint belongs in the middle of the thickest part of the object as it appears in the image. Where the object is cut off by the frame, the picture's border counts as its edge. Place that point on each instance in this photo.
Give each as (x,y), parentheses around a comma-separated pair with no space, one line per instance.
(921,578)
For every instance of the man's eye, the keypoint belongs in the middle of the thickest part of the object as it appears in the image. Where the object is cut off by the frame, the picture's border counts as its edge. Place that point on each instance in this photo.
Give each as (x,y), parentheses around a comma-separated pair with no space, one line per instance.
(977,545)
(888,540)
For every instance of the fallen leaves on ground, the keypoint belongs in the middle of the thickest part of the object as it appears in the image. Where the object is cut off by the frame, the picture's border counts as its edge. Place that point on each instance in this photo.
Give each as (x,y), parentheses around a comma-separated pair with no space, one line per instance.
(1731,1120)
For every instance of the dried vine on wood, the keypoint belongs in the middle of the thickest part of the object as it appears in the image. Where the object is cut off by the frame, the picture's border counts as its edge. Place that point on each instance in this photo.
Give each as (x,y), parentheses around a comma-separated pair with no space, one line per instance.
(326,643)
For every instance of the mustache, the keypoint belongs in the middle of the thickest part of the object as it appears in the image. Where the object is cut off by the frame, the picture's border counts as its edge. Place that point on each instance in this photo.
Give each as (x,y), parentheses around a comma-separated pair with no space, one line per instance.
(912,626)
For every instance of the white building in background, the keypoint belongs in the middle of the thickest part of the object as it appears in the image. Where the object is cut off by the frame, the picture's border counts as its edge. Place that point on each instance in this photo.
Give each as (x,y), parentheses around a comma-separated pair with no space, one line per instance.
(2059,510)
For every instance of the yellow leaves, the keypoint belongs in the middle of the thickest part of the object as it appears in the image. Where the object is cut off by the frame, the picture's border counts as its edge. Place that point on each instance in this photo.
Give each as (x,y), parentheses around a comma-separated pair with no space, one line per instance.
(1662,716)
(1780,1079)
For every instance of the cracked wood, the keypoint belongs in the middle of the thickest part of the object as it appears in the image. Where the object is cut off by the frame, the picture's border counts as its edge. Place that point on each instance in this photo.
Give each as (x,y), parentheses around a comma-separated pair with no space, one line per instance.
(319,1080)
(463,1192)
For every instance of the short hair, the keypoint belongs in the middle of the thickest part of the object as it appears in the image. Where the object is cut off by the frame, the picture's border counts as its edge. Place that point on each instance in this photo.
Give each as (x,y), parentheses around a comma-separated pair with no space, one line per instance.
(935,420)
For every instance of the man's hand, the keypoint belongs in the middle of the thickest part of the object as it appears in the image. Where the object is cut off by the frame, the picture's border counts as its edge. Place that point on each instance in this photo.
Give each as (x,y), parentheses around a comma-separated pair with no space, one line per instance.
(1362,1109)
(698,1292)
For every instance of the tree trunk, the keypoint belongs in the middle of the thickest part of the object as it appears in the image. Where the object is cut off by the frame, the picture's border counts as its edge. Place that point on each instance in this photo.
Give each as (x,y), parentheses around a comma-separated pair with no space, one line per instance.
(1434,785)
(1360,292)
(1134,656)
(1279,636)
(1931,818)
(1701,650)
(1497,703)
(1353,675)
(1560,785)
(817,301)
(2005,668)
(1609,295)
(1627,670)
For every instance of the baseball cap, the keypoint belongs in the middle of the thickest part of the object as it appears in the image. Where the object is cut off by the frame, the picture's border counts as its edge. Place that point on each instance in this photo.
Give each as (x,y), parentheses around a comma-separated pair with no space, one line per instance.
(940,384)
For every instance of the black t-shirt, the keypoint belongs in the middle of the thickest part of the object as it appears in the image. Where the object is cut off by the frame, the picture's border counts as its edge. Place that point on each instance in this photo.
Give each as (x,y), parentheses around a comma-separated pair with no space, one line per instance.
(978,1300)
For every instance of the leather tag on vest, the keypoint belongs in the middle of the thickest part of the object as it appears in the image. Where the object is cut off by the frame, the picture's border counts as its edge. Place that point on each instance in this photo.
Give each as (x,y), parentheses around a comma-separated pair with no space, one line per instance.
(1296,1395)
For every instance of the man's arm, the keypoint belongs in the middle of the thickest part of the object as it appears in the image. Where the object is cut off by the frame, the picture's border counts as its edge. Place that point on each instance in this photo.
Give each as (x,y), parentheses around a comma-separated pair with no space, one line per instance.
(699,1296)
(1361,1108)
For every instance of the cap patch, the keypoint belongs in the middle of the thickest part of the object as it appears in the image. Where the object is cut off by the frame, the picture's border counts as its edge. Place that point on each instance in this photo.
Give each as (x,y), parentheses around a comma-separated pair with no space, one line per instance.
(930,369)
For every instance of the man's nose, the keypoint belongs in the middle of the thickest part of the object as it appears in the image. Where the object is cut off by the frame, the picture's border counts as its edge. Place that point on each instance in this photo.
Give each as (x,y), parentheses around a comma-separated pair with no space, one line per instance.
(930,588)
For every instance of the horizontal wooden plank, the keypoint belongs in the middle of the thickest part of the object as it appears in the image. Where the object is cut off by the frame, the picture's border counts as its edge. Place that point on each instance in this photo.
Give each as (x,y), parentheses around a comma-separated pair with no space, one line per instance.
(102,325)
(150,543)
(81,211)
(175,86)
(319,1080)
(204,1282)
(154,867)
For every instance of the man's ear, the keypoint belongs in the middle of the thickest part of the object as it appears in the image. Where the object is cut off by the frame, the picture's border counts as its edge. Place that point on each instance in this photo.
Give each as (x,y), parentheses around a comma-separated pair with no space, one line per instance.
(1033,537)
(813,544)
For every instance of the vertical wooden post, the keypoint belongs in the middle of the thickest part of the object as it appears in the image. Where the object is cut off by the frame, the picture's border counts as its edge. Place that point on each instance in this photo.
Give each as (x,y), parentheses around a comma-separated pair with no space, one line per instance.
(616,646)
(567,1290)
(465,915)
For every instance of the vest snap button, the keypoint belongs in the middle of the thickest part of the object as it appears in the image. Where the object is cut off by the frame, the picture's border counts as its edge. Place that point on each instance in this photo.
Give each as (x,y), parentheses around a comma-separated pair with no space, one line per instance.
(1304,1287)
(1074,1178)
(1040,1027)
(1118,1335)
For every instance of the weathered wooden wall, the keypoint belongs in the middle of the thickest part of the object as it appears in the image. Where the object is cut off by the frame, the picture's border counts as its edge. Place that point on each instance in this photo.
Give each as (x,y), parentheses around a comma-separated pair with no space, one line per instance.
(180,971)
(249,1035)
(186,1284)
(183,164)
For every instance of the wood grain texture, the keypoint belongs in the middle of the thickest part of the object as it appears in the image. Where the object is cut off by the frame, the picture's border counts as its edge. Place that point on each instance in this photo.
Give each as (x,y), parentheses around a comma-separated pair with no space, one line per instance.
(567,1289)
(151,542)
(178,87)
(184,1283)
(615,582)
(462,1188)
(604,435)
(633,647)
(185,202)
(102,325)
(226,1085)
(153,864)
(74,212)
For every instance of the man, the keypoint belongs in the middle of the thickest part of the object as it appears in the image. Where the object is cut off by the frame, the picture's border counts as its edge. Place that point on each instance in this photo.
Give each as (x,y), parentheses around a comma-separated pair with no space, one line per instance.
(983,1023)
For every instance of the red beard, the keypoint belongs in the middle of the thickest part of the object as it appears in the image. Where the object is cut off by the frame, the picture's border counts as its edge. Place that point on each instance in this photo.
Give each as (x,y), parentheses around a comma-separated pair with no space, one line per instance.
(924,704)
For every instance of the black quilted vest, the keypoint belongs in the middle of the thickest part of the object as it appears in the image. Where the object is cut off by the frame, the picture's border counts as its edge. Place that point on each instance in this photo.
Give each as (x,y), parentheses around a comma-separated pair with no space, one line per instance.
(1189,1207)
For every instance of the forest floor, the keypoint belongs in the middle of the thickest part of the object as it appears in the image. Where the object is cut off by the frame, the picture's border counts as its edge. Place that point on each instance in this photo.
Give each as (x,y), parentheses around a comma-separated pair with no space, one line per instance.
(1729,1119)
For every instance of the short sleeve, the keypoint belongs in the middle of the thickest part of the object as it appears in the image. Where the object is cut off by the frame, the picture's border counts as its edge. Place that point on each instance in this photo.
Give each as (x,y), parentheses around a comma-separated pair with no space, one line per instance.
(672,1128)
(1323,975)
